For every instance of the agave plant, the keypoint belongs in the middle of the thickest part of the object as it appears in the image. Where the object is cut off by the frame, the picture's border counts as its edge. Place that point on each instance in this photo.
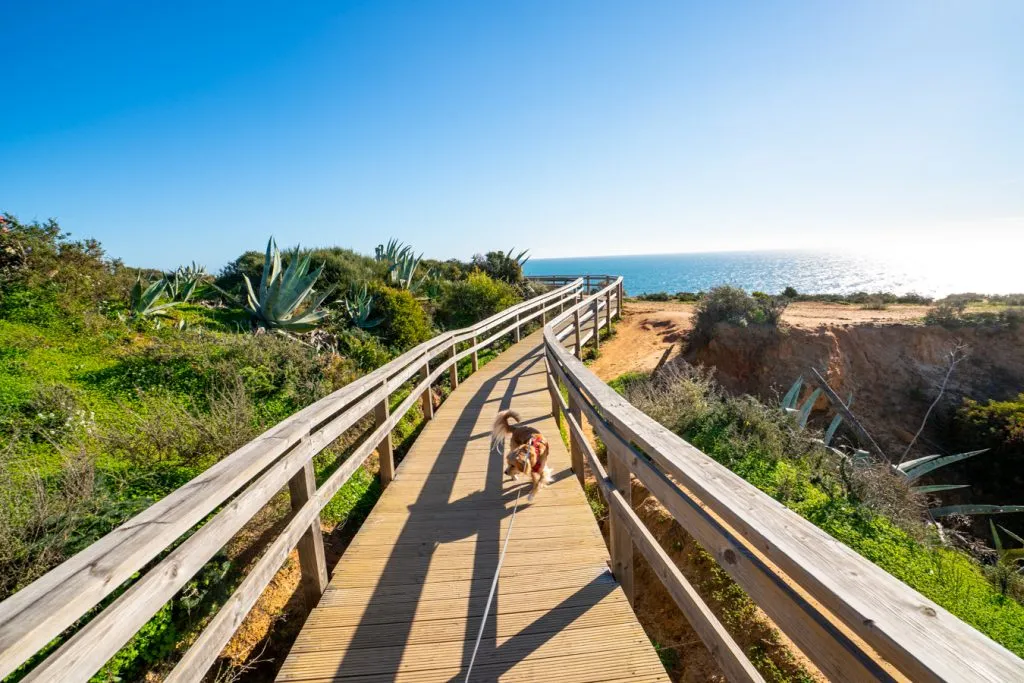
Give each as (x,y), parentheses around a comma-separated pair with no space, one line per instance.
(1007,557)
(401,263)
(521,258)
(281,302)
(402,272)
(143,300)
(183,282)
(393,252)
(803,412)
(358,305)
(915,469)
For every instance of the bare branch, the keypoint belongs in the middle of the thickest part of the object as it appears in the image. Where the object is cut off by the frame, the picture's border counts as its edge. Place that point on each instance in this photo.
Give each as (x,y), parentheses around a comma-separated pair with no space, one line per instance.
(956,355)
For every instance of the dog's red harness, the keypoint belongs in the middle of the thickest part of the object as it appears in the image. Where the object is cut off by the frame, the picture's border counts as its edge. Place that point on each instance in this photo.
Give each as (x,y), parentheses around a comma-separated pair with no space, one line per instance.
(536,446)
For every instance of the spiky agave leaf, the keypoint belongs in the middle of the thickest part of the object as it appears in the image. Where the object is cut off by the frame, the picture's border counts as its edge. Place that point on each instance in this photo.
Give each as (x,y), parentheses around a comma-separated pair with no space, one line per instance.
(975,509)
(805,409)
(915,469)
(836,421)
(1011,534)
(995,537)
(281,294)
(143,300)
(789,400)
(934,488)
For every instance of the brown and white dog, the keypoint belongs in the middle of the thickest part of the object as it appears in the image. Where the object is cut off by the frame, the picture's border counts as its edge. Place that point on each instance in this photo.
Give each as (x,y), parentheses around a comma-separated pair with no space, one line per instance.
(527,452)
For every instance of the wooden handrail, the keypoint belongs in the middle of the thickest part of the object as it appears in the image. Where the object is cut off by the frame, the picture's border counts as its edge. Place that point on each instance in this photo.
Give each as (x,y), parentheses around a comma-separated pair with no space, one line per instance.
(851,618)
(234,490)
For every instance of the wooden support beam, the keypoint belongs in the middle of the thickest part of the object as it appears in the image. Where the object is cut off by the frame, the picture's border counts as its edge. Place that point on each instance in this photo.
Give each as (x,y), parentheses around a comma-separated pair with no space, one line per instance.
(618,295)
(426,400)
(608,310)
(517,328)
(476,358)
(385,450)
(597,328)
(575,448)
(312,561)
(453,371)
(619,542)
(579,333)
(556,402)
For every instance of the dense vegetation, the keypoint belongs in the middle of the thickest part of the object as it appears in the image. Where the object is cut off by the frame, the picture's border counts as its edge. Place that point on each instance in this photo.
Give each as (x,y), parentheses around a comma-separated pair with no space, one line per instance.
(863,504)
(119,384)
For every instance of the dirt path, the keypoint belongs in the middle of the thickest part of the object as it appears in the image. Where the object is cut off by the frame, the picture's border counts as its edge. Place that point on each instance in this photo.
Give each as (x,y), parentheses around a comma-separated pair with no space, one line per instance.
(649,328)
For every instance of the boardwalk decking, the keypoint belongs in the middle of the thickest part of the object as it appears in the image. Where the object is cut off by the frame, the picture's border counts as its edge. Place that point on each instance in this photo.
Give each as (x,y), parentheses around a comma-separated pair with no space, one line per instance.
(406,600)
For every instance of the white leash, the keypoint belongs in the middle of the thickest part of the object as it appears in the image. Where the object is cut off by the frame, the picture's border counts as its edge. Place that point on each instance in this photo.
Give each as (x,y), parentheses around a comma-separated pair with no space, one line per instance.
(494,584)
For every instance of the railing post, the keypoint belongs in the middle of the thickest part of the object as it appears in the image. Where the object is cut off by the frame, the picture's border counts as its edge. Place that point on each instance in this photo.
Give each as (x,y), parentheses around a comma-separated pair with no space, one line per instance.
(575,449)
(517,328)
(556,405)
(579,333)
(312,562)
(618,295)
(619,542)
(588,285)
(476,358)
(453,371)
(597,326)
(426,401)
(385,452)
(608,310)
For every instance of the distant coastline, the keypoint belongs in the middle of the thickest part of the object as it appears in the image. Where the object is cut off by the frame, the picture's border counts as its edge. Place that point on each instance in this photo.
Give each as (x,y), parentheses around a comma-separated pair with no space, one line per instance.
(772,271)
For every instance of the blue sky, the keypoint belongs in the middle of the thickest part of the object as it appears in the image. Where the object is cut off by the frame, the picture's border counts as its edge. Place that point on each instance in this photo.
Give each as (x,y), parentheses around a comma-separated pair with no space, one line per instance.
(193,130)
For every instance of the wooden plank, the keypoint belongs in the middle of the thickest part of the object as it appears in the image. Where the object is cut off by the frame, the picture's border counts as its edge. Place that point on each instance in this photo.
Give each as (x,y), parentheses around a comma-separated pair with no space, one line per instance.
(576,438)
(719,642)
(312,560)
(922,640)
(203,652)
(619,543)
(385,450)
(426,399)
(406,599)
(813,630)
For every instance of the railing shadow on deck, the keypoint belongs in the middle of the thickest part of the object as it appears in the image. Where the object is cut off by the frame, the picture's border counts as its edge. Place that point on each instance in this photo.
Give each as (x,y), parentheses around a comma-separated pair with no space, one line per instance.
(403,568)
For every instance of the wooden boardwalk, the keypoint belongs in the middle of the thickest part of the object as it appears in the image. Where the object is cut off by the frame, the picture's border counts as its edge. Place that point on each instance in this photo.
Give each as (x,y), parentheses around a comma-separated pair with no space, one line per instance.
(407,598)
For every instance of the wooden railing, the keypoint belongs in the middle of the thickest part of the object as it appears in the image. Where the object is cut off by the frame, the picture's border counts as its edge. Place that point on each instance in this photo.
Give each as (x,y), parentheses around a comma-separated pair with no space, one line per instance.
(855,621)
(590,282)
(227,496)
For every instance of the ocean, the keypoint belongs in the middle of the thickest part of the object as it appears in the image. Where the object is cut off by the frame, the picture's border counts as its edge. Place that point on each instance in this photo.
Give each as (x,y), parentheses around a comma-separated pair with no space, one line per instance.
(810,272)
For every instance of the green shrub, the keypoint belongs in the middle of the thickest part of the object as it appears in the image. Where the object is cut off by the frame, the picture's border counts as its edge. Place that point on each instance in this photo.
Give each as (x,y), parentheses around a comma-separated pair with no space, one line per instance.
(404,323)
(365,350)
(501,266)
(734,306)
(42,272)
(465,302)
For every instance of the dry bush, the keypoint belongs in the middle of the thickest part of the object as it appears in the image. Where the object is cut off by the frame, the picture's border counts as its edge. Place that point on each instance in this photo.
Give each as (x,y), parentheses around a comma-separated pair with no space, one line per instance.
(41,518)
(161,430)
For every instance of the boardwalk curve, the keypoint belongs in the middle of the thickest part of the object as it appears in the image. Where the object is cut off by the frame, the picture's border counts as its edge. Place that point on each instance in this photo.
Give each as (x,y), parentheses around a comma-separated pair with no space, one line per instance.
(406,602)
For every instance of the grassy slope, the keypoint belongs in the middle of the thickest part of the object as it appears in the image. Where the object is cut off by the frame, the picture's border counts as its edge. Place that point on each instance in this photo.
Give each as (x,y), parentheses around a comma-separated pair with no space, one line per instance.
(950,578)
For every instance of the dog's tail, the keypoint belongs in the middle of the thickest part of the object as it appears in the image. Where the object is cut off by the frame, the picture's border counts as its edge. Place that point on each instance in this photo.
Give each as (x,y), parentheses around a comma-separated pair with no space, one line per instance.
(502,429)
